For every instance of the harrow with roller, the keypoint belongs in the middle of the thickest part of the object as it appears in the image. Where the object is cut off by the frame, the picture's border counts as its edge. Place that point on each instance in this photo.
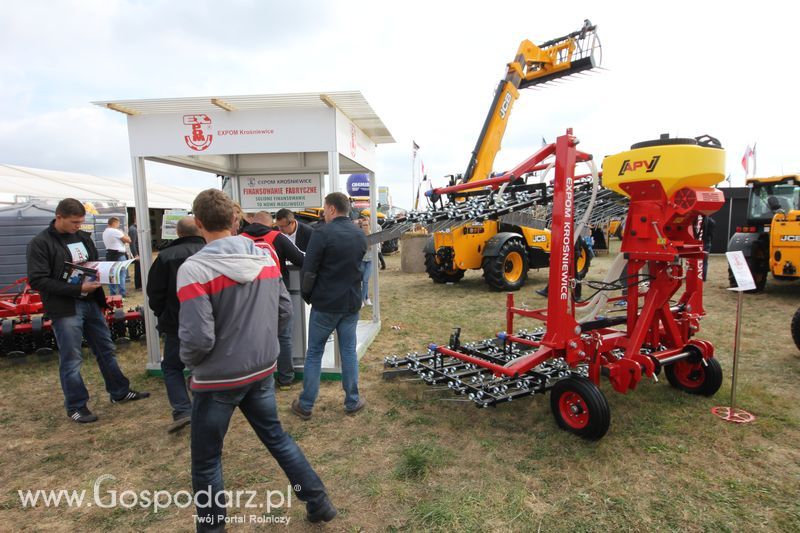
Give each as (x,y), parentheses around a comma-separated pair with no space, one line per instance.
(669,184)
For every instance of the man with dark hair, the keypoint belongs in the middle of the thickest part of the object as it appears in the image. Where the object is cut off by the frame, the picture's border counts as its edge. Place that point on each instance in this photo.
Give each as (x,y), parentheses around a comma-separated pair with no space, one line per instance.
(331,283)
(162,296)
(260,231)
(297,232)
(115,241)
(232,305)
(75,310)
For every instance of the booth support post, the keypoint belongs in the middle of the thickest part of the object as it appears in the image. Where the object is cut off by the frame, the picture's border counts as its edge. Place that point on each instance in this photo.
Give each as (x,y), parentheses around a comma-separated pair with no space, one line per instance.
(333,184)
(373,228)
(145,260)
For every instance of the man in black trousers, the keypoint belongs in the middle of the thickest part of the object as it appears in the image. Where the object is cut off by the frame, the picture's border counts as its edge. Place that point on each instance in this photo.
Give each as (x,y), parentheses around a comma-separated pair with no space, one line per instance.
(163,298)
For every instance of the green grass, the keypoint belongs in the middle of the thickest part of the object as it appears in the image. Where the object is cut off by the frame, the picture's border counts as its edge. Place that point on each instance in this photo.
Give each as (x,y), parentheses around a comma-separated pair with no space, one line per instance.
(411,462)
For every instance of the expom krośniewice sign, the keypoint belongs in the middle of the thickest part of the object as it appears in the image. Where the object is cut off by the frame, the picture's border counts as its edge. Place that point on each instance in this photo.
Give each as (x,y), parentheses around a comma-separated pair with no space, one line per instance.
(278,191)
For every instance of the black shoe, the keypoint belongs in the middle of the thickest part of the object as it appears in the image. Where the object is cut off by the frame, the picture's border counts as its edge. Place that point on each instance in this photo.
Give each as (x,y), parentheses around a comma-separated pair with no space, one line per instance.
(542,292)
(299,411)
(324,513)
(131,396)
(359,406)
(179,423)
(83,416)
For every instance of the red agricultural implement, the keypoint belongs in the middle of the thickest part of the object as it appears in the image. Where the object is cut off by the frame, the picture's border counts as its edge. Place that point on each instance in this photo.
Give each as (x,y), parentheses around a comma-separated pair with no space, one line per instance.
(24,328)
(649,327)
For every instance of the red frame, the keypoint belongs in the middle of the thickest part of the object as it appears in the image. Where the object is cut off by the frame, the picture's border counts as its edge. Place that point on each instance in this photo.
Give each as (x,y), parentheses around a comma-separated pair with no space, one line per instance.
(658,238)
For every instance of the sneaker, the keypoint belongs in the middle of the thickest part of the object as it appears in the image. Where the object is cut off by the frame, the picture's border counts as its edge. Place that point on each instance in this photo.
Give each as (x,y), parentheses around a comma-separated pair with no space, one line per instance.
(359,406)
(324,513)
(131,396)
(83,416)
(179,423)
(299,411)
(542,292)
(285,386)
(367,302)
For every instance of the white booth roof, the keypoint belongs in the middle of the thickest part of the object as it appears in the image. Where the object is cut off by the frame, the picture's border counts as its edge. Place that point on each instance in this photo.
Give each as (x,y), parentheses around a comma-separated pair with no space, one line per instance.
(26,182)
(351,103)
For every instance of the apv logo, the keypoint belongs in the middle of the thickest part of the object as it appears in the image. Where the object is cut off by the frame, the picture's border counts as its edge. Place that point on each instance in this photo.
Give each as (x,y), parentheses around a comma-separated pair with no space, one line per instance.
(790,238)
(633,166)
(201,136)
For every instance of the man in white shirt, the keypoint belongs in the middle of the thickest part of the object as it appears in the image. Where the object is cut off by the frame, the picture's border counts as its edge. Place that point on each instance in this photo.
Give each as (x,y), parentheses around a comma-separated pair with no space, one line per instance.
(115,241)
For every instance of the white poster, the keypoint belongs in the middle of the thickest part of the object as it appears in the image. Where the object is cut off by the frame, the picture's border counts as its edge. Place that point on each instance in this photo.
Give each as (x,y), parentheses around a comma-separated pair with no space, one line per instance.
(169,223)
(278,191)
(740,270)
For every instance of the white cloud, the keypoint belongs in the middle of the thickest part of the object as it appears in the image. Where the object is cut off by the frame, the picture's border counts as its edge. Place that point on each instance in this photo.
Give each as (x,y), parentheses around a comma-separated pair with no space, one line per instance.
(428,68)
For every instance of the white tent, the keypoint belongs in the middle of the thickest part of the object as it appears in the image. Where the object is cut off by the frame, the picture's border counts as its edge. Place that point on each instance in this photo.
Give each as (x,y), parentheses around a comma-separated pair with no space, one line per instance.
(24,183)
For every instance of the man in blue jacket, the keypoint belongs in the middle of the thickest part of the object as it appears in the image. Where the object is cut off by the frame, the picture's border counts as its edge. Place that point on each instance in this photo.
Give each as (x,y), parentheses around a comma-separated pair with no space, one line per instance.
(331,283)
(232,305)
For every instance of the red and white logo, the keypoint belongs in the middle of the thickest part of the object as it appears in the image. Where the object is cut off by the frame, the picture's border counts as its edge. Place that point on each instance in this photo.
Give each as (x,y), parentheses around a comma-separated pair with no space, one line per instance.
(352,140)
(201,136)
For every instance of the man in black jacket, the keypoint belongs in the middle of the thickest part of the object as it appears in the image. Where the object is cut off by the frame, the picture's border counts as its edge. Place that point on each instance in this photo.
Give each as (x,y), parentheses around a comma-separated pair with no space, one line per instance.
(261,232)
(75,310)
(297,232)
(163,298)
(331,283)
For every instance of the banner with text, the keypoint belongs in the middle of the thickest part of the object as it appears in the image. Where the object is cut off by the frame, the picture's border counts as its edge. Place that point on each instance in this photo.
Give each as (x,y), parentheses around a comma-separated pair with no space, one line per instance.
(278,191)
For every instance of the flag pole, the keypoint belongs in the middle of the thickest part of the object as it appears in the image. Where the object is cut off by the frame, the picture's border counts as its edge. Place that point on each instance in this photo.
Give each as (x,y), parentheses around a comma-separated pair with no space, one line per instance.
(754,159)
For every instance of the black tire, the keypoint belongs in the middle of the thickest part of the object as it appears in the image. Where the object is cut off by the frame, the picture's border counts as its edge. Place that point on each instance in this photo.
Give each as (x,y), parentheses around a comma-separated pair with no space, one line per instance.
(580,407)
(690,375)
(390,246)
(796,328)
(581,248)
(502,272)
(438,274)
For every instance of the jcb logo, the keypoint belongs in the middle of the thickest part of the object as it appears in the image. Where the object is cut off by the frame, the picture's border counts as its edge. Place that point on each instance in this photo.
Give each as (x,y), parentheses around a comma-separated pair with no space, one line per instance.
(505,106)
(790,238)
(633,166)
(539,238)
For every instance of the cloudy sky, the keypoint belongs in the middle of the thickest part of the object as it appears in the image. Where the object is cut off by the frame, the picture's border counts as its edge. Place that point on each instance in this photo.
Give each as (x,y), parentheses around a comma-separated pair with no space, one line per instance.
(428,69)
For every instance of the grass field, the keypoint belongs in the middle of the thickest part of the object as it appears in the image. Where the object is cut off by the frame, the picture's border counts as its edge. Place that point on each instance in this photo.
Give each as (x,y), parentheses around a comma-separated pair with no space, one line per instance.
(413,462)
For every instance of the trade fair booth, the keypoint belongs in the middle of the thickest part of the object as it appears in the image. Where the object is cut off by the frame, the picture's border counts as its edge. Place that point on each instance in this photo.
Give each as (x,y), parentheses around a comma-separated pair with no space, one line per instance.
(273,152)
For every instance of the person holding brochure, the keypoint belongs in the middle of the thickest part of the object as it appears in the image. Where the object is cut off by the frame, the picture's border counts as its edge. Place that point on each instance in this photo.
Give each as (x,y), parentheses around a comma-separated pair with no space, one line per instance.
(115,241)
(75,309)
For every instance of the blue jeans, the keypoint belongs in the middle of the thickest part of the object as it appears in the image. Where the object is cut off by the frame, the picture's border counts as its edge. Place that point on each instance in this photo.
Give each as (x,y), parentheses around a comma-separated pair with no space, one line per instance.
(211,414)
(172,367)
(285,366)
(366,270)
(320,327)
(88,321)
(112,255)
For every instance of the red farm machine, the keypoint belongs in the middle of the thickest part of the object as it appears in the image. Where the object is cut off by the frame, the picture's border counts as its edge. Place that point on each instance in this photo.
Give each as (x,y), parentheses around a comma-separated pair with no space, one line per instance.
(24,328)
(669,183)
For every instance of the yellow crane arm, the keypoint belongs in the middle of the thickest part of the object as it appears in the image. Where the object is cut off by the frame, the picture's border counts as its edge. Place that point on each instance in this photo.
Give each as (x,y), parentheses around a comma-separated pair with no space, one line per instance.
(532,65)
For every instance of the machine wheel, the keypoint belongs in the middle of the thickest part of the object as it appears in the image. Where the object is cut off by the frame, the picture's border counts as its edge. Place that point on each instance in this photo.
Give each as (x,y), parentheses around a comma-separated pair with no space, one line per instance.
(438,273)
(390,246)
(580,407)
(690,375)
(796,328)
(582,259)
(509,269)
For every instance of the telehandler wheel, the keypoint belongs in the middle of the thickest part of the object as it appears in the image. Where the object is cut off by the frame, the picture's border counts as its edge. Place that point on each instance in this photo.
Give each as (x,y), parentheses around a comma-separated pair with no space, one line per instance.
(580,407)
(796,328)
(583,258)
(438,273)
(690,375)
(509,269)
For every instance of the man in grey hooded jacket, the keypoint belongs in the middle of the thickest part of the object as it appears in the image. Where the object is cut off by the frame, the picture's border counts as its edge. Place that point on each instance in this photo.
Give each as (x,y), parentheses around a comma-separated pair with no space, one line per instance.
(232,305)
